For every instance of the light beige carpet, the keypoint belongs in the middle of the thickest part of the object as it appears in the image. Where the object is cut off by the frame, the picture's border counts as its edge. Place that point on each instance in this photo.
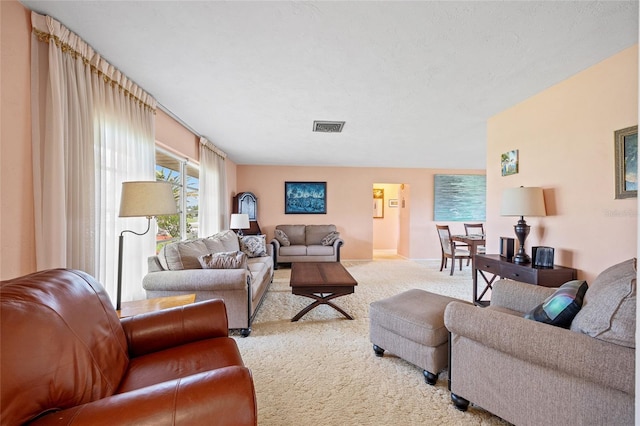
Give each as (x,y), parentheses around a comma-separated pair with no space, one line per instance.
(322,370)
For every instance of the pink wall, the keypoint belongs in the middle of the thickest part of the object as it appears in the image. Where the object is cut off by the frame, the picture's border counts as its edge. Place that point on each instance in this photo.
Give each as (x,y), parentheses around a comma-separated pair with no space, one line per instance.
(349,204)
(565,138)
(17,245)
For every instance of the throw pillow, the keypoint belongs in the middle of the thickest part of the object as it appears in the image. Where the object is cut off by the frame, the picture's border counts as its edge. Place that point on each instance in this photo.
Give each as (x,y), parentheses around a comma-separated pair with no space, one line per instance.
(282,238)
(223,260)
(609,311)
(183,254)
(562,306)
(330,238)
(253,245)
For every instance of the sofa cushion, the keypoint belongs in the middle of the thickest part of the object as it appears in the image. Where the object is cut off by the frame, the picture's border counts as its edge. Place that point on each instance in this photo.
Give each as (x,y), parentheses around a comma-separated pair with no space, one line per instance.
(320,250)
(222,241)
(330,238)
(224,260)
(254,245)
(562,306)
(298,250)
(282,238)
(315,233)
(295,233)
(182,255)
(609,311)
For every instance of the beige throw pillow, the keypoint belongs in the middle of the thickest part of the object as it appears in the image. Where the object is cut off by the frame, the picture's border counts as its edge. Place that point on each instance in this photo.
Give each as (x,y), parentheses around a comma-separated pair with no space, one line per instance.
(224,260)
(282,238)
(609,309)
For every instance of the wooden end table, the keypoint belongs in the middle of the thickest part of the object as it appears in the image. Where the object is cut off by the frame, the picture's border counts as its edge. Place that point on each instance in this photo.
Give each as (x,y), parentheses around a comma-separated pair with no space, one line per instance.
(321,281)
(129,309)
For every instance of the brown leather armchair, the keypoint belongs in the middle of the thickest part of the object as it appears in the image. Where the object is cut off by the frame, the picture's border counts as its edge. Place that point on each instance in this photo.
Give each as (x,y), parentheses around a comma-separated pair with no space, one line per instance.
(67,359)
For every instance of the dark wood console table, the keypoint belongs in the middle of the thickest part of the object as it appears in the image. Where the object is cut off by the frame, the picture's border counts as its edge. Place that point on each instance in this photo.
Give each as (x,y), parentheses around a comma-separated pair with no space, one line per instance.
(497,266)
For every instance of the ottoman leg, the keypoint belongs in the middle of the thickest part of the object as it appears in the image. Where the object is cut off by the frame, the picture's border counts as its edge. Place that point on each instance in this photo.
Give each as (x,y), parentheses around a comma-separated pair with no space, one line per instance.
(378,350)
(429,377)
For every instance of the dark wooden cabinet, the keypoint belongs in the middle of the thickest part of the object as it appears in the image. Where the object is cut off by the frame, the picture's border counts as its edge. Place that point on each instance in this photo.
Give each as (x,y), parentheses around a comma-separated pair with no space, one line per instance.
(491,266)
(247,203)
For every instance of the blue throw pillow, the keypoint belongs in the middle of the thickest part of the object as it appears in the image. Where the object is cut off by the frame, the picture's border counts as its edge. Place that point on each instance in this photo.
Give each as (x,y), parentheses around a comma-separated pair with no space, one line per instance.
(562,306)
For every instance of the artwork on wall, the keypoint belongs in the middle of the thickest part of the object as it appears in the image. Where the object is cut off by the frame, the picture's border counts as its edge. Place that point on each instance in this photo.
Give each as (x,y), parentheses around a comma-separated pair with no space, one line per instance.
(626,151)
(509,163)
(393,203)
(305,197)
(378,203)
(460,198)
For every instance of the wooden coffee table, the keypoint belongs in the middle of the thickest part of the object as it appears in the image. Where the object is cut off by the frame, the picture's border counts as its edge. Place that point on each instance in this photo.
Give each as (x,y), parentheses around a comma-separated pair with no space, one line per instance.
(321,281)
(137,307)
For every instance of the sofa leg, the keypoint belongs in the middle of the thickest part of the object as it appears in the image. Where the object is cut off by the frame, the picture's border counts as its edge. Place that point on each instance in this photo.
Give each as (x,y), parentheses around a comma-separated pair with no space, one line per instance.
(245,332)
(378,350)
(459,402)
(429,377)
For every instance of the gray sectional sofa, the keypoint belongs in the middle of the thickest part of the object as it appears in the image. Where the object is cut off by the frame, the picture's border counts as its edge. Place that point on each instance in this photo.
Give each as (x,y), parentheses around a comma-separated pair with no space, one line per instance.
(240,273)
(306,243)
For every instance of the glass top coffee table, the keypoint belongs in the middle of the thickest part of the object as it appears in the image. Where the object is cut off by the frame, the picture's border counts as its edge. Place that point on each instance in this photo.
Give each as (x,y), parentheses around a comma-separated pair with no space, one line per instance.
(321,281)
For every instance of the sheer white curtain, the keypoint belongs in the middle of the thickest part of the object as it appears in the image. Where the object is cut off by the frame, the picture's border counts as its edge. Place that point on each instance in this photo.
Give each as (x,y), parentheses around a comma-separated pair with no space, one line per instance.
(212,209)
(92,129)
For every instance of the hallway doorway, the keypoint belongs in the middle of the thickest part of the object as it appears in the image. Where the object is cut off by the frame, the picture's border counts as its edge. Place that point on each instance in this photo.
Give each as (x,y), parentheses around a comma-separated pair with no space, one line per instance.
(390,220)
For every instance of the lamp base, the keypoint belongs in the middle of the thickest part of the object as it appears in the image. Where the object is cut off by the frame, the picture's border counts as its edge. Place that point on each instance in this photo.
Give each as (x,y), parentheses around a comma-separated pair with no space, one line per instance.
(522,230)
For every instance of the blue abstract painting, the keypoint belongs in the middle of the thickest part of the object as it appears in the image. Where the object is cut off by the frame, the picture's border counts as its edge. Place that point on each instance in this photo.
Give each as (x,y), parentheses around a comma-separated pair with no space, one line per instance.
(305,197)
(460,198)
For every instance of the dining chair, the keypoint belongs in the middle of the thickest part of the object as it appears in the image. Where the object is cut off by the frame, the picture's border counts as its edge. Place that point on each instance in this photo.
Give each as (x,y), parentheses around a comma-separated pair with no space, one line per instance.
(449,249)
(475,229)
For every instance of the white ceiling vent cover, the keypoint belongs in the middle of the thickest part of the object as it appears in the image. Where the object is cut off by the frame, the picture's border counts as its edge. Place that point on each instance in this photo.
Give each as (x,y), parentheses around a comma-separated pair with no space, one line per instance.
(328,126)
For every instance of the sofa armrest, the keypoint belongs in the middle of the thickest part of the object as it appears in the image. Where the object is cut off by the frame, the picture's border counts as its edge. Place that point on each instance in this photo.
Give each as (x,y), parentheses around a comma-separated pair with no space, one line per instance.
(193,280)
(518,296)
(275,244)
(155,331)
(551,347)
(224,396)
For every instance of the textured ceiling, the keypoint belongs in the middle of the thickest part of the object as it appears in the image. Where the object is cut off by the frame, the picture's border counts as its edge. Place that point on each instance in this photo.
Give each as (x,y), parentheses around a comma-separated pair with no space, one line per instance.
(414,81)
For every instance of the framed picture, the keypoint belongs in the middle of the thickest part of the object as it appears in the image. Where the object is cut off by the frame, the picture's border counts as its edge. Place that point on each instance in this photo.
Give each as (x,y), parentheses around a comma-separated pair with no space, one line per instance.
(393,203)
(460,198)
(626,146)
(378,203)
(305,197)
(506,248)
(509,163)
(542,257)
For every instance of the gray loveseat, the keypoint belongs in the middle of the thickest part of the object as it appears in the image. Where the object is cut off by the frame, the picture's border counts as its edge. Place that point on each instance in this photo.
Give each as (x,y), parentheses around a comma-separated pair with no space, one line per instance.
(306,243)
(177,270)
(532,373)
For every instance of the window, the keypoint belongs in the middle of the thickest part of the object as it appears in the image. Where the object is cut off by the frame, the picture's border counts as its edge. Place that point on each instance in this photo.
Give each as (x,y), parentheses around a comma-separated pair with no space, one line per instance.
(184,177)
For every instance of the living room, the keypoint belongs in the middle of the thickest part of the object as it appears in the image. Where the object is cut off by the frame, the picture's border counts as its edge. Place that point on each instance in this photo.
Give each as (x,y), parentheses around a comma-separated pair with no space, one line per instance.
(564,135)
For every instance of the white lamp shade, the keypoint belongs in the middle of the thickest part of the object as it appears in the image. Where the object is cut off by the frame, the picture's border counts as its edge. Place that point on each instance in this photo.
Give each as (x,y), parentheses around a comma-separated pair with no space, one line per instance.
(239,221)
(523,201)
(147,198)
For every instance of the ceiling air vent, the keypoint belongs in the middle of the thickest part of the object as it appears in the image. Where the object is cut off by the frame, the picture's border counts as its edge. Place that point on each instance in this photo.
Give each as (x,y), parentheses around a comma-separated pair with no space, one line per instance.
(328,126)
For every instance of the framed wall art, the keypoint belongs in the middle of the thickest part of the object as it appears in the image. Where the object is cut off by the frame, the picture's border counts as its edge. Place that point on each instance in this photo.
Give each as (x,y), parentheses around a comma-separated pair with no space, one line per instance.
(626,154)
(305,197)
(460,198)
(509,163)
(378,203)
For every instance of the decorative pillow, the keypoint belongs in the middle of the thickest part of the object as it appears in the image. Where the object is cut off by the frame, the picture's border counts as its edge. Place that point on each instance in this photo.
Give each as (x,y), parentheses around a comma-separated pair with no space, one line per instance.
(223,260)
(253,245)
(609,311)
(182,255)
(562,306)
(282,238)
(330,238)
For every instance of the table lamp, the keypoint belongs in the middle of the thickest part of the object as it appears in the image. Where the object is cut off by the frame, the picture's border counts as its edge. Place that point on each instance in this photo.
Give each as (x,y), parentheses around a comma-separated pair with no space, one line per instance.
(142,199)
(522,202)
(239,221)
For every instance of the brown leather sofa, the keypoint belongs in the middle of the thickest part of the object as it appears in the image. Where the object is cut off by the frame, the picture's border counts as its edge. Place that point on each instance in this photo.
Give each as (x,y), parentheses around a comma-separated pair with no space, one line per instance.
(67,359)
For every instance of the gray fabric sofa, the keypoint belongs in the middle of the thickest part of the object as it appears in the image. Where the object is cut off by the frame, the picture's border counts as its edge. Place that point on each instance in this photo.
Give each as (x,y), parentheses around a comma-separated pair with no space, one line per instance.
(177,270)
(532,373)
(306,243)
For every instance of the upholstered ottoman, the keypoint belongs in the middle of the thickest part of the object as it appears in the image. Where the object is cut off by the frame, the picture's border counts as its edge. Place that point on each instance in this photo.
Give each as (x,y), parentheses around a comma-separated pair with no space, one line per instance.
(411,326)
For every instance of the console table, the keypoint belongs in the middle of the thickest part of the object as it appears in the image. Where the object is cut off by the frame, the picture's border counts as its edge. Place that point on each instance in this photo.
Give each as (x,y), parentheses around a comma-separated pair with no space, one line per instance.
(498,266)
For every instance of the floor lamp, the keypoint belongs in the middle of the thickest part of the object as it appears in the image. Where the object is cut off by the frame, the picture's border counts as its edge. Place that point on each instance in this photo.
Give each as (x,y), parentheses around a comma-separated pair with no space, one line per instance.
(142,199)
(522,202)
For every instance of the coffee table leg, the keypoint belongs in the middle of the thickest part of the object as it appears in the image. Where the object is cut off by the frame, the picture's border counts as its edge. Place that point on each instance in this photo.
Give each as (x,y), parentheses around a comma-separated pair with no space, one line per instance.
(320,300)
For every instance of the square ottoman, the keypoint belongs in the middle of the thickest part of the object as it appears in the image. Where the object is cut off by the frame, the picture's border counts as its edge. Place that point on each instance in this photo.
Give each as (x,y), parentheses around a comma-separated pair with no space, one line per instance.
(411,326)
